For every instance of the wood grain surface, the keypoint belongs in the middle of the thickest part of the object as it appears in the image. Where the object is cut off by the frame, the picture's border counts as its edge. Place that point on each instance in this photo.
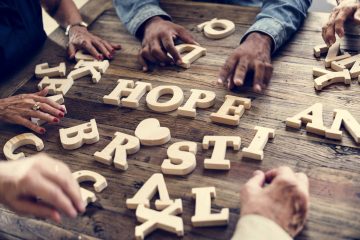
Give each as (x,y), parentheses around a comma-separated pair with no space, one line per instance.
(332,166)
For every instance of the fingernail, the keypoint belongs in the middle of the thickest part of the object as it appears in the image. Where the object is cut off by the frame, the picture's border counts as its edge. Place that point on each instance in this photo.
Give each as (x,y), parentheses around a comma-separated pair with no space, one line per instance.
(238,82)
(110,56)
(144,69)
(56,120)
(42,131)
(179,62)
(220,81)
(61,115)
(258,88)
(73,213)
(100,57)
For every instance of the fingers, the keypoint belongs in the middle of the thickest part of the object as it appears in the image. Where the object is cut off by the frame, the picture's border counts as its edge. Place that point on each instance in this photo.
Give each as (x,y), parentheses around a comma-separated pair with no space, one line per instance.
(227,69)
(87,46)
(159,54)
(50,110)
(49,102)
(43,93)
(257,181)
(142,62)
(341,17)
(259,69)
(61,176)
(41,115)
(116,46)
(28,124)
(328,31)
(285,172)
(102,48)
(185,36)
(268,73)
(303,183)
(169,46)
(26,207)
(145,57)
(71,50)
(51,194)
(357,16)
(240,72)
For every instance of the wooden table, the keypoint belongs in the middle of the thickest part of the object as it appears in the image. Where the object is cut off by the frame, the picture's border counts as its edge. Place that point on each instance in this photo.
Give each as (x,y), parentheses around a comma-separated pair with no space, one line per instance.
(333,167)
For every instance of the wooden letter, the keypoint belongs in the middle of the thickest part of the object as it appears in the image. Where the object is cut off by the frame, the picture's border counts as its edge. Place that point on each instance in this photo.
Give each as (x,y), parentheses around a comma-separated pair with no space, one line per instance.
(345,63)
(152,99)
(210,31)
(100,184)
(80,55)
(118,149)
(193,52)
(75,137)
(220,143)
(331,78)
(203,216)
(320,49)
(318,72)
(231,111)
(155,183)
(150,133)
(43,70)
(21,140)
(56,86)
(355,70)
(255,150)
(182,159)
(132,92)
(333,54)
(84,71)
(343,117)
(165,220)
(99,66)
(312,117)
(197,99)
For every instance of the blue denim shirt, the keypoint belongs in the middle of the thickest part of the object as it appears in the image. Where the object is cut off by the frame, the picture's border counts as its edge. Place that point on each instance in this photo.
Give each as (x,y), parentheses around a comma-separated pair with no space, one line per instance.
(280,19)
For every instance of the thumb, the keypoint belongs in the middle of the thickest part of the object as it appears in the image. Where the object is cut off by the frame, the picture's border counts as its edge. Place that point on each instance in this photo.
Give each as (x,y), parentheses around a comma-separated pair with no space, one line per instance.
(71,51)
(257,180)
(357,16)
(186,37)
(43,93)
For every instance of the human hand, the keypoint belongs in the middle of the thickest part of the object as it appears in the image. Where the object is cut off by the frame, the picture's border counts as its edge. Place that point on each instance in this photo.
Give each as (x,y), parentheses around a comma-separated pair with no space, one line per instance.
(158,41)
(346,10)
(19,110)
(81,39)
(40,186)
(285,200)
(253,55)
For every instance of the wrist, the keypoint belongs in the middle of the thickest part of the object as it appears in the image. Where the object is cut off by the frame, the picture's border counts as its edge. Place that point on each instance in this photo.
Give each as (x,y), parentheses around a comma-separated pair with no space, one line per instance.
(262,39)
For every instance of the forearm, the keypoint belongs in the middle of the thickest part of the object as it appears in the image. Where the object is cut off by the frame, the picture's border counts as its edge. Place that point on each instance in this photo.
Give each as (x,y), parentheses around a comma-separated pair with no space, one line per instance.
(134,13)
(280,19)
(64,12)
(256,227)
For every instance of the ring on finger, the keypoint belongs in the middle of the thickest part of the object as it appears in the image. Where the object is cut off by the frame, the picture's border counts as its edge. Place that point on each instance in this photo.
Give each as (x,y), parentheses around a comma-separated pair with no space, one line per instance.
(36,106)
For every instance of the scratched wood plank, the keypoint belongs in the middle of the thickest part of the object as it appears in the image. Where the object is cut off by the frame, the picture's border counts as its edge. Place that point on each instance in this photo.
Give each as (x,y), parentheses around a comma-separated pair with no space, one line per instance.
(333,167)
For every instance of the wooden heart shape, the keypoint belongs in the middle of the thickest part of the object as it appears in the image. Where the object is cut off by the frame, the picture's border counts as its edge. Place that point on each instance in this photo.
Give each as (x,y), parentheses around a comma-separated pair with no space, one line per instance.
(150,133)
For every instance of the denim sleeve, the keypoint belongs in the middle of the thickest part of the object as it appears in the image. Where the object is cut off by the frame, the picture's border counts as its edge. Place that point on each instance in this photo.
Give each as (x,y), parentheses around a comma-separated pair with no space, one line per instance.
(133,13)
(280,19)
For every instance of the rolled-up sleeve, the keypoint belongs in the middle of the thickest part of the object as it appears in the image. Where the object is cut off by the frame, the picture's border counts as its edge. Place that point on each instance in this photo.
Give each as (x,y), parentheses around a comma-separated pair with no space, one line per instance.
(256,227)
(133,13)
(280,19)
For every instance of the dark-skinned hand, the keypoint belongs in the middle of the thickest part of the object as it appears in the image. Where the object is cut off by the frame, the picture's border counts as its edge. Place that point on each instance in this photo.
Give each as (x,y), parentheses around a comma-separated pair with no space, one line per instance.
(253,55)
(158,40)
(81,39)
(346,10)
